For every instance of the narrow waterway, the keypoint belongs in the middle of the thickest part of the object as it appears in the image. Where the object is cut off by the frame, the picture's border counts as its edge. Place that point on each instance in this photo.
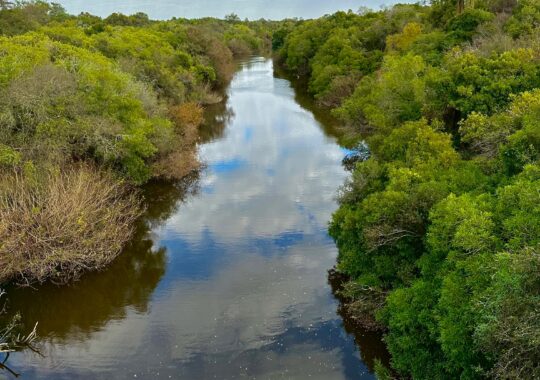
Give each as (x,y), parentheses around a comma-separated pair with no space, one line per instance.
(227,275)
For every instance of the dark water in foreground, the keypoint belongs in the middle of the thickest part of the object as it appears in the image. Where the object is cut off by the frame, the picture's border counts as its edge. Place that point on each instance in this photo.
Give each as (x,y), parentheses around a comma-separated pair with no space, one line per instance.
(227,276)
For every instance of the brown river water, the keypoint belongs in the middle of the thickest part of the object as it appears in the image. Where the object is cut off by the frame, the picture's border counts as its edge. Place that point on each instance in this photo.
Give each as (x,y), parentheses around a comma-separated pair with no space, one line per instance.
(226,277)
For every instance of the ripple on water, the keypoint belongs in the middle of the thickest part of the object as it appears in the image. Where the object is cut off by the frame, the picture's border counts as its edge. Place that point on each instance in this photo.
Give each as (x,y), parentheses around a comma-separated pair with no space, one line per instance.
(227,276)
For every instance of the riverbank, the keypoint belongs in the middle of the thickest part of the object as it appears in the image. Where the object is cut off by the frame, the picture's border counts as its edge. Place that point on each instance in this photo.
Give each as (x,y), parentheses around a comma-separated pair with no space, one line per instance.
(91,109)
(213,278)
(438,225)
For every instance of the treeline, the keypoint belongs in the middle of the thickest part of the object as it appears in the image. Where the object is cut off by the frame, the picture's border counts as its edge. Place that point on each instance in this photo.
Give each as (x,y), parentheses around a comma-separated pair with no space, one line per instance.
(439,226)
(91,108)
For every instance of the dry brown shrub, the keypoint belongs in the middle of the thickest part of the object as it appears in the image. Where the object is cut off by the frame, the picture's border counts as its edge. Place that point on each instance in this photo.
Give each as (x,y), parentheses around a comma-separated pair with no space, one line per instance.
(239,48)
(219,55)
(177,164)
(181,158)
(187,115)
(74,220)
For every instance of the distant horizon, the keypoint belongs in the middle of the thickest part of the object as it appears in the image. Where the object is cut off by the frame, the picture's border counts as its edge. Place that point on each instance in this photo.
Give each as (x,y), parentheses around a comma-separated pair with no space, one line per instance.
(250,9)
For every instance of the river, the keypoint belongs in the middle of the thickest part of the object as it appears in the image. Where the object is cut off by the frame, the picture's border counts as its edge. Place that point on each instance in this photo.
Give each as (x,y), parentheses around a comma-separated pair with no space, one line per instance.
(226,277)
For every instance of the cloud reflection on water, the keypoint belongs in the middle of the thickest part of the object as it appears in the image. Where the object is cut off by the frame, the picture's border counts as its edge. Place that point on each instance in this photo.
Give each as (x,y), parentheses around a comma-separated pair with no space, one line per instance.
(244,292)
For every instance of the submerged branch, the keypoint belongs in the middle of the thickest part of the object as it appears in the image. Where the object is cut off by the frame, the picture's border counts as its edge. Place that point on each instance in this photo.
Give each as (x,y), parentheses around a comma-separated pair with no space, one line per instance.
(11,340)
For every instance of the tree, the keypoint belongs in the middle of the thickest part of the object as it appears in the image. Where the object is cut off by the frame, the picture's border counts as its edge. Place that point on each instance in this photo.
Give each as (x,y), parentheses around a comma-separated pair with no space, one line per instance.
(5,4)
(232,18)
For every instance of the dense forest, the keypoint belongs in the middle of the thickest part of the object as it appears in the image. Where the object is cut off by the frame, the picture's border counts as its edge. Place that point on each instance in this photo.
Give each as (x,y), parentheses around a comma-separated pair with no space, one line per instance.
(89,109)
(438,229)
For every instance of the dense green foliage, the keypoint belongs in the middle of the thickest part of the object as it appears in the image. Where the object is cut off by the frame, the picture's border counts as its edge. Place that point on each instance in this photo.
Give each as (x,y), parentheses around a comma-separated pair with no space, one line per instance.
(443,218)
(83,88)
(108,102)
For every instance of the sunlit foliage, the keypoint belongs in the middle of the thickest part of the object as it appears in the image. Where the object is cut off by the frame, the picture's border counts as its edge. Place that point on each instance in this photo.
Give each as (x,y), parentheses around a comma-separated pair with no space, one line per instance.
(442,215)
(111,102)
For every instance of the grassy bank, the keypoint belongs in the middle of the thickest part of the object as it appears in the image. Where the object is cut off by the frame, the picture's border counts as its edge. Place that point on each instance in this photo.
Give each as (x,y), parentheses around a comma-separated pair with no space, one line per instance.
(90,109)
(438,226)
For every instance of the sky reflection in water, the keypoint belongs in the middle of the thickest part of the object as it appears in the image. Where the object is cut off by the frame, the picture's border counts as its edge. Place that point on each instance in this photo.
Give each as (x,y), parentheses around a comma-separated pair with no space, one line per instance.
(241,266)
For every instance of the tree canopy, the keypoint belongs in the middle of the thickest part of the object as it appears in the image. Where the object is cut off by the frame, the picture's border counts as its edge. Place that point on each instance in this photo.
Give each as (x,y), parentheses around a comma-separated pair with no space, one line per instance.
(441,218)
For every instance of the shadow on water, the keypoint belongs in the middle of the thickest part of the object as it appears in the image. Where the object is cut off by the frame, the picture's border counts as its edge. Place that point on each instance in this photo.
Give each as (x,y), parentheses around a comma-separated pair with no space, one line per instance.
(200,297)
(332,127)
(76,311)
(370,343)
(216,118)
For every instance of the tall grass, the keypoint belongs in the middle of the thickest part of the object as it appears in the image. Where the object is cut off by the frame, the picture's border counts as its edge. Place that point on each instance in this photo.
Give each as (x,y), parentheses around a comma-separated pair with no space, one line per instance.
(70,221)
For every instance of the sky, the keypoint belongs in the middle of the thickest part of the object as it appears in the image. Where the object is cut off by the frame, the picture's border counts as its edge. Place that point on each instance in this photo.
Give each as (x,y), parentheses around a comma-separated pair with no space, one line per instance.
(252,9)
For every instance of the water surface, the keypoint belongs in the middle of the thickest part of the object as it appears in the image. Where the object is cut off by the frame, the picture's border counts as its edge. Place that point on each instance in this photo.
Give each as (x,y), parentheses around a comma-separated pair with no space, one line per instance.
(252,9)
(227,275)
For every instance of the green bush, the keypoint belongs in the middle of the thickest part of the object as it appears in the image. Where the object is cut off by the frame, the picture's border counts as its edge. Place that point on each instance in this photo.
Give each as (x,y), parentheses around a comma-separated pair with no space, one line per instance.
(443,216)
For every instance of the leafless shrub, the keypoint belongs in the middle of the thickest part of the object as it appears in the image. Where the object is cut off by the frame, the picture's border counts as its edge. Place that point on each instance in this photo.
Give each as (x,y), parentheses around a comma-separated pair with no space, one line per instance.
(211,97)
(363,303)
(181,157)
(512,332)
(239,47)
(520,357)
(204,94)
(176,165)
(28,98)
(71,221)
